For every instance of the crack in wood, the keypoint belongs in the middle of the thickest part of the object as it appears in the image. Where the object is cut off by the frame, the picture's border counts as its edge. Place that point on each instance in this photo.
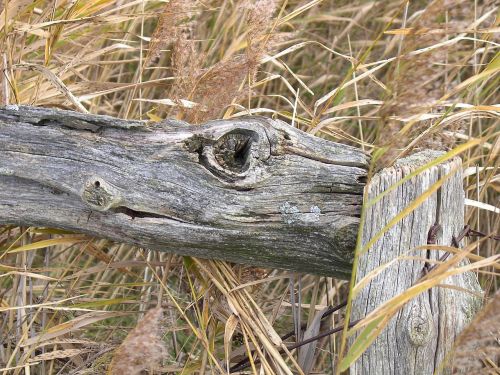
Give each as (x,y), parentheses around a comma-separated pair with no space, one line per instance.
(142,214)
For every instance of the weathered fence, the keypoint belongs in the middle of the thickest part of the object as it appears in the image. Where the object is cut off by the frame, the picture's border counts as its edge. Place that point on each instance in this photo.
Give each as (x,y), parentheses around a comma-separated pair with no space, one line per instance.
(248,190)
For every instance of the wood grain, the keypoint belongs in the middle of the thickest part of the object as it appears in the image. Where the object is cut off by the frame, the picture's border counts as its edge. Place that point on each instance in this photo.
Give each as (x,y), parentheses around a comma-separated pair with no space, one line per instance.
(247,190)
(419,338)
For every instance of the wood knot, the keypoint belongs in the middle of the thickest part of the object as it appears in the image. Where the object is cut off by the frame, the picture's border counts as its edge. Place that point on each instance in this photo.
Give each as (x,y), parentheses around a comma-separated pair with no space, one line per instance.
(419,326)
(235,155)
(233,150)
(100,195)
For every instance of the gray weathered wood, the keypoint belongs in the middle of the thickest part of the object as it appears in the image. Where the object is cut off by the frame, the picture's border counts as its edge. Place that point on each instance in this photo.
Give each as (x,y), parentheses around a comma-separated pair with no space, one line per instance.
(248,190)
(418,338)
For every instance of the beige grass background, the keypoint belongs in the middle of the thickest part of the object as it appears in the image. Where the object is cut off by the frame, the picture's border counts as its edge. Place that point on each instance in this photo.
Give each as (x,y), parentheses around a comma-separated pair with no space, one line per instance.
(389,77)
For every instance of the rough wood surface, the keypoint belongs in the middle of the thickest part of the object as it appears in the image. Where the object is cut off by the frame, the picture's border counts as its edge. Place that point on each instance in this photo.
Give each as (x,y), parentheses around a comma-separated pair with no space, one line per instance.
(248,190)
(417,340)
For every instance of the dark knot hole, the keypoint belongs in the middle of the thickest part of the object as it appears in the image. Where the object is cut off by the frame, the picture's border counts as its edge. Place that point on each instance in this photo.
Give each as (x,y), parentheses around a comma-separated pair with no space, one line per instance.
(233,150)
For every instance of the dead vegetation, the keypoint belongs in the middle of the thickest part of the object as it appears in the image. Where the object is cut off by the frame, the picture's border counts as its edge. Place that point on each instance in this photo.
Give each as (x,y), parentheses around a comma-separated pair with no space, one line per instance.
(386,76)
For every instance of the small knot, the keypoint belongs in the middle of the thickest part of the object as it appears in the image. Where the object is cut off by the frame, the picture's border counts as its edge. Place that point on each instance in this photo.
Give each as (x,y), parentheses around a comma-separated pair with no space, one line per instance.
(100,195)
(419,326)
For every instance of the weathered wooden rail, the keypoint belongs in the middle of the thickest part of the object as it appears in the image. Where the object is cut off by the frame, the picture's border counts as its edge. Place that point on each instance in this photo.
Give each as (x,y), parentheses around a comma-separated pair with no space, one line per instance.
(248,190)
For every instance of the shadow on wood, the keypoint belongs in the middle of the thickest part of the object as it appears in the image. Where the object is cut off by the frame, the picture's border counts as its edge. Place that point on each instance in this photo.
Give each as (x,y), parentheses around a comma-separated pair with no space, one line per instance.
(247,190)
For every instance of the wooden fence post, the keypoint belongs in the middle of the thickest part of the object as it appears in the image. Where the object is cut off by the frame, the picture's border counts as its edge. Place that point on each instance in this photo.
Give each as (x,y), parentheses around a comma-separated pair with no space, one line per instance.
(418,339)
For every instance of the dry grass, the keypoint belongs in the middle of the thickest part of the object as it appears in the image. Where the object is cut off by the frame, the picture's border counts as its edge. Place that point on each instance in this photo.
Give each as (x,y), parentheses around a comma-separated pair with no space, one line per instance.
(143,348)
(477,347)
(386,75)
